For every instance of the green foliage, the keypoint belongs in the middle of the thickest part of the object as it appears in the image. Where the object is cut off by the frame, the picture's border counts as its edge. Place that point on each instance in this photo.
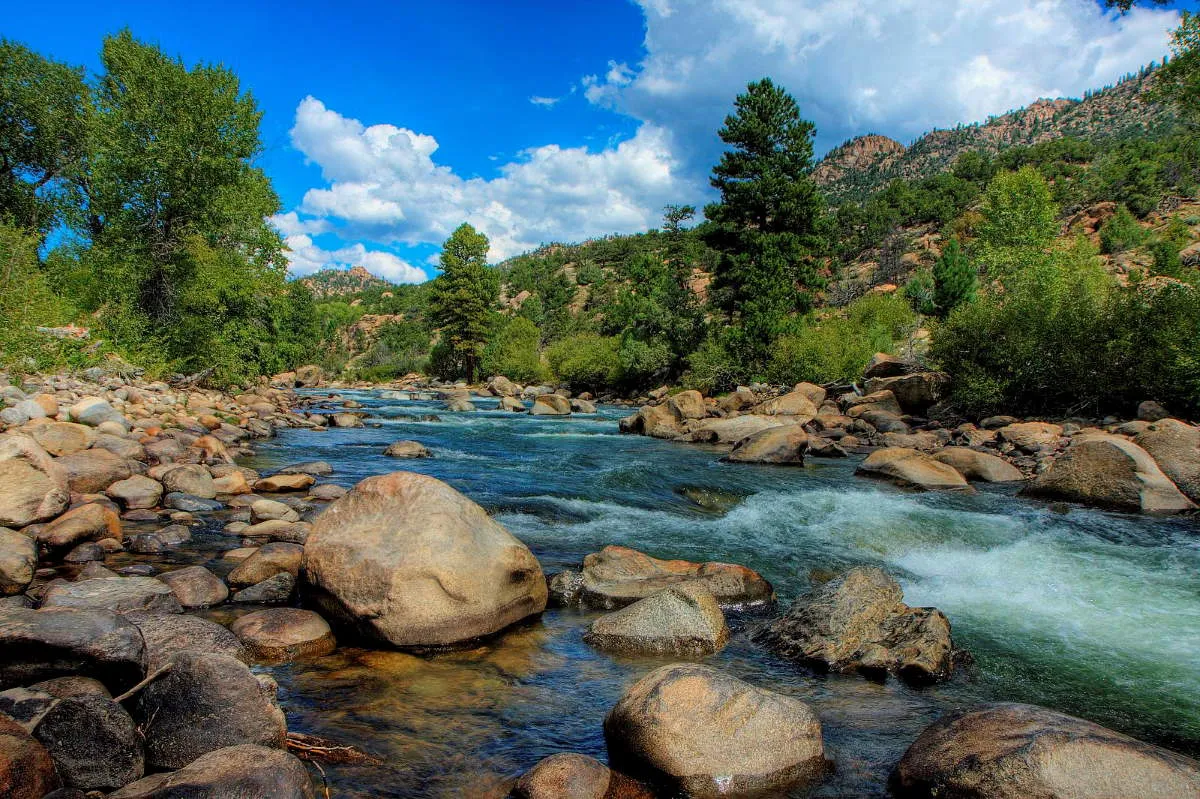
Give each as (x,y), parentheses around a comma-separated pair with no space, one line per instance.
(1179,79)
(586,361)
(1018,212)
(464,296)
(513,351)
(641,363)
(769,219)
(1121,232)
(954,279)
(837,348)
(920,292)
(42,136)
(713,368)
(26,302)
(399,348)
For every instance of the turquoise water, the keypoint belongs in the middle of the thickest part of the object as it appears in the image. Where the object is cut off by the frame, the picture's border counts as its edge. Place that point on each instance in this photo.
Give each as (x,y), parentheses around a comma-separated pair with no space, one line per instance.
(1093,613)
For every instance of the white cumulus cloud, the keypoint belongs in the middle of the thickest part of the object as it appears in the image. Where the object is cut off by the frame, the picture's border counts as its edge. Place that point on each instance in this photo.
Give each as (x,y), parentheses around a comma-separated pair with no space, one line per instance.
(898,67)
(384,185)
(306,257)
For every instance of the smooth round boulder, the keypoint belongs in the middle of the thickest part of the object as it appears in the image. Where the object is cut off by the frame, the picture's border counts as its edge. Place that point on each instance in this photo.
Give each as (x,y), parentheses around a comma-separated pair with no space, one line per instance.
(136,492)
(269,560)
(406,559)
(281,634)
(203,703)
(262,510)
(33,486)
(981,466)
(93,470)
(1016,751)
(407,449)
(62,438)
(196,587)
(189,478)
(913,469)
(279,483)
(273,590)
(26,770)
(1110,471)
(94,411)
(18,561)
(794,403)
(91,522)
(684,619)
(246,772)
(702,733)
(687,405)
(550,405)
(1175,447)
(567,775)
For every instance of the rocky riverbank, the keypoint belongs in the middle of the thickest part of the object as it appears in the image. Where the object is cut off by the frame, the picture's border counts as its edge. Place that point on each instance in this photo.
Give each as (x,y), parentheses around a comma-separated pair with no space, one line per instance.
(113,680)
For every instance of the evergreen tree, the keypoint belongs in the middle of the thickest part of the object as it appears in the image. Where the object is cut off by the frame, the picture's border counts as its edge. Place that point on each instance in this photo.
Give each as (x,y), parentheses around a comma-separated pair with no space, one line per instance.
(769,219)
(464,296)
(953,279)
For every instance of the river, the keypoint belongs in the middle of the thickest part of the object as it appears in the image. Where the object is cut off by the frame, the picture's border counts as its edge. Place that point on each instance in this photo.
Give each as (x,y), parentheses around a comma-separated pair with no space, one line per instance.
(1092,613)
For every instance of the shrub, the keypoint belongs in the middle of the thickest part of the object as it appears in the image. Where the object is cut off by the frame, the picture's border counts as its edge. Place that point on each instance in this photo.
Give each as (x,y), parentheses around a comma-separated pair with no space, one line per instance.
(586,361)
(919,291)
(643,362)
(513,352)
(26,303)
(713,368)
(1121,232)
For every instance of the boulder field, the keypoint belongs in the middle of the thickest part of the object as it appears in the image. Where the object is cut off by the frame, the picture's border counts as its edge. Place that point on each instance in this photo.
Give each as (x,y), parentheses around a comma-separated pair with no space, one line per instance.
(897,416)
(119,681)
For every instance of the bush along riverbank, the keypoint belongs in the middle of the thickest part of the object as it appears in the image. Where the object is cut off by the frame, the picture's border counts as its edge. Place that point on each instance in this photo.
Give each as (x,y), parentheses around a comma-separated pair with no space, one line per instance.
(113,679)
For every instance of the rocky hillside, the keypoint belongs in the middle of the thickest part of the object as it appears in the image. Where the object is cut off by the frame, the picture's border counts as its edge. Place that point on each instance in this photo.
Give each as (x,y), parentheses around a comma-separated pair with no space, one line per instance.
(341,282)
(865,164)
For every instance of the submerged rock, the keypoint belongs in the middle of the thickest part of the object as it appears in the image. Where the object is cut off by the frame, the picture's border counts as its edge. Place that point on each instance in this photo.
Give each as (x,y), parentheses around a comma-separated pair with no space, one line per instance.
(406,559)
(859,623)
(1111,471)
(279,634)
(680,620)
(246,772)
(618,576)
(695,730)
(204,703)
(1015,751)
(407,449)
(567,775)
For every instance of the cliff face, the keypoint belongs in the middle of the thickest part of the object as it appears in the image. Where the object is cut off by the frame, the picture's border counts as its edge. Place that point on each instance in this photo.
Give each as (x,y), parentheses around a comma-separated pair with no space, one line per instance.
(339,282)
(867,164)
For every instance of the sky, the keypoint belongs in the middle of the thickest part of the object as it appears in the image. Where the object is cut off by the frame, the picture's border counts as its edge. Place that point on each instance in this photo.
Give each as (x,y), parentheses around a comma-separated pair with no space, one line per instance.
(388,124)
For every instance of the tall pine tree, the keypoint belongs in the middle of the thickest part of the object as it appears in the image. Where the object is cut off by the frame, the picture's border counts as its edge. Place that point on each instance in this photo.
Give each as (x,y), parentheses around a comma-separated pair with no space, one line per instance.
(464,296)
(953,279)
(769,218)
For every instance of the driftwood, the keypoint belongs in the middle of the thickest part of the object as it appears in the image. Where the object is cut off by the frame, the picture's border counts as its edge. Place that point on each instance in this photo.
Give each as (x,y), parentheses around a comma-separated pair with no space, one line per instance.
(151,677)
(187,381)
(314,748)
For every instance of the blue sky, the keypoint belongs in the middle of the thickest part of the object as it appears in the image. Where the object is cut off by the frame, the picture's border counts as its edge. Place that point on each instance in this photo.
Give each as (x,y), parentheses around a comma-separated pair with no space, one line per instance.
(388,124)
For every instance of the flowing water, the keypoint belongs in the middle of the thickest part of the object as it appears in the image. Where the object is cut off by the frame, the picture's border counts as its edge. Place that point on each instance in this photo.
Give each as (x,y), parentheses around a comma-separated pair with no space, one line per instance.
(1093,613)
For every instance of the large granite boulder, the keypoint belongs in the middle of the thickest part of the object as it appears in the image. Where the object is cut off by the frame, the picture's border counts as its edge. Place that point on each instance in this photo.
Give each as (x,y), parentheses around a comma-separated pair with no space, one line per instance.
(731,431)
(776,445)
(1015,751)
(859,623)
(269,560)
(1031,437)
(61,438)
(136,492)
(95,411)
(406,559)
(33,486)
(195,587)
(94,521)
(1110,471)
(794,403)
(684,619)
(18,561)
(189,478)
(203,703)
(1175,447)
(550,405)
(693,730)
(687,405)
(407,449)
(915,391)
(618,576)
(247,771)
(913,469)
(40,645)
